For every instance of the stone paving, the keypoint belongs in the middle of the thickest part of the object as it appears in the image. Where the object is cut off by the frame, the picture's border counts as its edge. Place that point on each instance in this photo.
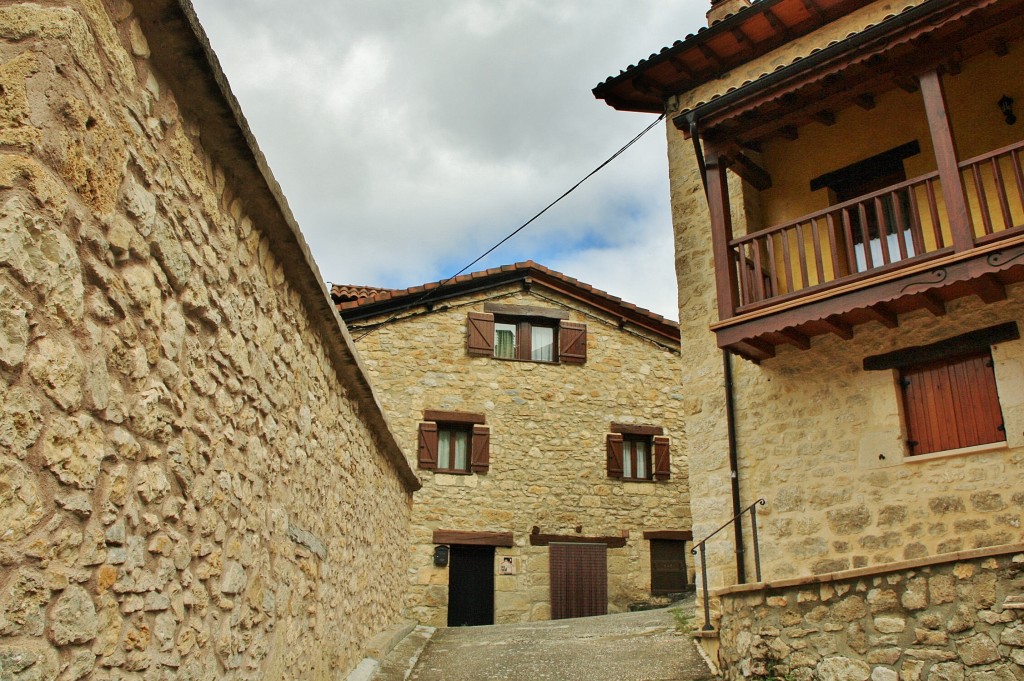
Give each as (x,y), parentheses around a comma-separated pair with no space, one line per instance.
(641,646)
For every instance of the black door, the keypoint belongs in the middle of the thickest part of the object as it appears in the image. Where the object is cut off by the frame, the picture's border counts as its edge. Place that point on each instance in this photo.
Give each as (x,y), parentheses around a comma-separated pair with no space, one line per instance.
(668,566)
(471,586)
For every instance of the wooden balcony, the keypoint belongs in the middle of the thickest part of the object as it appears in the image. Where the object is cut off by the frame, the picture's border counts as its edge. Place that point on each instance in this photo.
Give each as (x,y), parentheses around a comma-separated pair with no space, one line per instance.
(877,256)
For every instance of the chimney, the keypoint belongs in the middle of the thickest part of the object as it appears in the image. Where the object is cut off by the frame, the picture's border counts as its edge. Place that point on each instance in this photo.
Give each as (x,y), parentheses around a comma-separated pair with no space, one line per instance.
(720,9)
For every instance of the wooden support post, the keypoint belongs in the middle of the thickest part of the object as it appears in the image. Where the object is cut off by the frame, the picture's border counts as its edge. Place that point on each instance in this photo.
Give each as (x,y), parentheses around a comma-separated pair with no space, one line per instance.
(946,158)
(721,235)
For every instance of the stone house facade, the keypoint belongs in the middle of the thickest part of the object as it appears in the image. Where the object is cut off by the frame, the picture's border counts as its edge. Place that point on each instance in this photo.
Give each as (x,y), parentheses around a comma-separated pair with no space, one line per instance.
(849,225)
(544,418)
(179,400)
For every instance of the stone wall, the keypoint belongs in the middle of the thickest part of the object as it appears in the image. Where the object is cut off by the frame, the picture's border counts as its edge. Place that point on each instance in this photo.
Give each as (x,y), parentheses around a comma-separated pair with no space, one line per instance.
(194,482)
(548,459)
(951,618)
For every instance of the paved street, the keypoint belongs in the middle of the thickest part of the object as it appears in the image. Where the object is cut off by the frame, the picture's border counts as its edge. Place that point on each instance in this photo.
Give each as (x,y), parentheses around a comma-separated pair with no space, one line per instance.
(641,646)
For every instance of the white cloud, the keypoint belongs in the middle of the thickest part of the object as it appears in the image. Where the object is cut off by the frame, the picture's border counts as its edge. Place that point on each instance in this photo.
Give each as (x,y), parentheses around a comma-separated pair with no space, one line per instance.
(410,136)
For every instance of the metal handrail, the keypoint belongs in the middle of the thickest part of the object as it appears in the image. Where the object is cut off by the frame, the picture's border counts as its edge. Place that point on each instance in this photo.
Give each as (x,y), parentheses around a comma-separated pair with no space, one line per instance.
(703,556)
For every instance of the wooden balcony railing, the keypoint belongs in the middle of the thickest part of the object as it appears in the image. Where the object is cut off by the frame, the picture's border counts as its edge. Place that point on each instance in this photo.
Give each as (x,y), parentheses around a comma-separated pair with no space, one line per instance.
(876,233)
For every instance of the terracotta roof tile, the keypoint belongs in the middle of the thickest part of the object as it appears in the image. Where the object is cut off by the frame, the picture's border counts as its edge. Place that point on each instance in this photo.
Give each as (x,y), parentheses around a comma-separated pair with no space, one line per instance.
(347,298)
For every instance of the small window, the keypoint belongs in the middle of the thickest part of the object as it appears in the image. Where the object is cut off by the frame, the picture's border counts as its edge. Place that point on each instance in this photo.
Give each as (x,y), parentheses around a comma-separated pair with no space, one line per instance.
(454,442)
(636,457)
(526,334)
(638,453)
(951,403)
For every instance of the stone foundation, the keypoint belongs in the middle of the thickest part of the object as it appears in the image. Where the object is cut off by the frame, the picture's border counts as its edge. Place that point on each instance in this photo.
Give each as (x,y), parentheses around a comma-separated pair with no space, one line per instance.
(949,618)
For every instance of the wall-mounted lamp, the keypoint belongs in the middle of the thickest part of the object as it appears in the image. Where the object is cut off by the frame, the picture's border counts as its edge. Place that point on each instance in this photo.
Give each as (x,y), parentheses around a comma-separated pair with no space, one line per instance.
(441,556)
(1006,106)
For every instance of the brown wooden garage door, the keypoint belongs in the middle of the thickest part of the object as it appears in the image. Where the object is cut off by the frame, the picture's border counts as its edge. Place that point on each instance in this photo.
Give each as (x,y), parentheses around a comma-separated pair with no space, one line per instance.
(579,580)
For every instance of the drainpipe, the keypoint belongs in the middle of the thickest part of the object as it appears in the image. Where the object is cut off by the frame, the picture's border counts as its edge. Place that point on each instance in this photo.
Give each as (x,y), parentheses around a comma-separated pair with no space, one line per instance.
(734,467)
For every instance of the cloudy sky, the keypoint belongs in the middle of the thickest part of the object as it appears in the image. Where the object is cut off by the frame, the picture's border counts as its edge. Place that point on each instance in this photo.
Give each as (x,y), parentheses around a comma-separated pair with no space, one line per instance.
(411,135)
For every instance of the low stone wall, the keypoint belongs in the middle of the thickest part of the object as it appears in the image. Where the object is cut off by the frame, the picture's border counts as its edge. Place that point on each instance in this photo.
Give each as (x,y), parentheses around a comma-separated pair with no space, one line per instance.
(949,618)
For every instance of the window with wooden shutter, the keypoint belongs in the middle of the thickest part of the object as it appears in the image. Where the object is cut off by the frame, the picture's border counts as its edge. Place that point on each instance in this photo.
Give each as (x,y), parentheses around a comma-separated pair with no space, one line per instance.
(454,442)
(480,334)
(572,342)
(662,464)
(614,446)
(481,449)
(427,457)
(951,403)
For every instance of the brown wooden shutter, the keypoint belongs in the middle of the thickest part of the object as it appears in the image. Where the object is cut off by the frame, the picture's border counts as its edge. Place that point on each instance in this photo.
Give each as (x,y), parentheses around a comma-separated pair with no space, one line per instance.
(572,342)
(481,461)
(951,404)
(428,446)
(480,334)
(614,455)
(662,463)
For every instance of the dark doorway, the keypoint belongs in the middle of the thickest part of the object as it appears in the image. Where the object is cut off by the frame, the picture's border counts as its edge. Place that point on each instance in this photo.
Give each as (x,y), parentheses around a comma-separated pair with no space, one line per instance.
(668,566)
(579,580)
(471,586)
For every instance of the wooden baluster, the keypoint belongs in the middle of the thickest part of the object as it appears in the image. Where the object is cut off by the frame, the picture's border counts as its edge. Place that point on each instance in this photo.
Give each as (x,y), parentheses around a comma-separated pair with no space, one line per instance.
(979,186)
(916,228)
(801,251)
(833,244)
(901,239)
(865,234)
(787,262)
(1004,204)
(933,208)
(819,266)
(773,268)
(883,230)
(758,272)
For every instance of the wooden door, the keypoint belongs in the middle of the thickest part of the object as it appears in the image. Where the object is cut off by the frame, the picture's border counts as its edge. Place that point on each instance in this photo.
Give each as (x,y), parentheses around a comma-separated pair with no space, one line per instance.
(668,566)
(471,586)
(579,580)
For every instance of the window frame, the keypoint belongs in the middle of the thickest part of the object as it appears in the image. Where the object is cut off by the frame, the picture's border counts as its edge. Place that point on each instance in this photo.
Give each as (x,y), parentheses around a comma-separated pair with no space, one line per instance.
(630,457)
(945,353)
(523,339)
(477,443)
(658,455)
(568,339)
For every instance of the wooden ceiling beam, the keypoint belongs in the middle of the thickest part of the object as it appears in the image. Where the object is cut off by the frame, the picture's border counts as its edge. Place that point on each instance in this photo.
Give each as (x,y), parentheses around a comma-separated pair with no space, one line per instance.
(711,56)
(795,338)
(989,288)
(746,167)
(813,9)
(932,303)
(825,117)
(883,315)
(865,101)
(837,326)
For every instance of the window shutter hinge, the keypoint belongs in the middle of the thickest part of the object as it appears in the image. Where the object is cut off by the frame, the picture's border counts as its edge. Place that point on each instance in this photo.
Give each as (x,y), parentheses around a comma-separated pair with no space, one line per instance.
(989,363)
(912,443)
(904,382)
(1001,427)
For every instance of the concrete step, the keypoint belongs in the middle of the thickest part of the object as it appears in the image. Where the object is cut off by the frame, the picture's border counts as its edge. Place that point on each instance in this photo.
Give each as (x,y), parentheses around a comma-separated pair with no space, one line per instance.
(398,664)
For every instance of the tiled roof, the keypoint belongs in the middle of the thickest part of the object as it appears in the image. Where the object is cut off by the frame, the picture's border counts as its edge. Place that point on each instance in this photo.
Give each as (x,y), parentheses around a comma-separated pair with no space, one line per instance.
(384,301)
(711,52)
(346,293)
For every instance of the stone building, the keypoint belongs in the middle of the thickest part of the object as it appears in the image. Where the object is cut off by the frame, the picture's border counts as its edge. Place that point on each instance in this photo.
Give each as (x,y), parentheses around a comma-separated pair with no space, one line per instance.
(544,417)
(179,400)
(848,206)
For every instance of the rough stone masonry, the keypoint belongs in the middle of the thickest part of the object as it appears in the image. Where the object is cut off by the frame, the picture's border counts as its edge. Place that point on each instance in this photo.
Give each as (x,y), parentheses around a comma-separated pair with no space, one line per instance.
(196,481)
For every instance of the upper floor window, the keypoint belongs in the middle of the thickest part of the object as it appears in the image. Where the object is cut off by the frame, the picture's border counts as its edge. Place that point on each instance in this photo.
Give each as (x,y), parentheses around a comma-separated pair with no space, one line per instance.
(638,453)
(948,389)
(531,334)
(454,442)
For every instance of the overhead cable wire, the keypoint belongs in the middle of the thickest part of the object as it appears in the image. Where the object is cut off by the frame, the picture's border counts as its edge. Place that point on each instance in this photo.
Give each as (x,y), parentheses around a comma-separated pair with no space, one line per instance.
(521,227)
